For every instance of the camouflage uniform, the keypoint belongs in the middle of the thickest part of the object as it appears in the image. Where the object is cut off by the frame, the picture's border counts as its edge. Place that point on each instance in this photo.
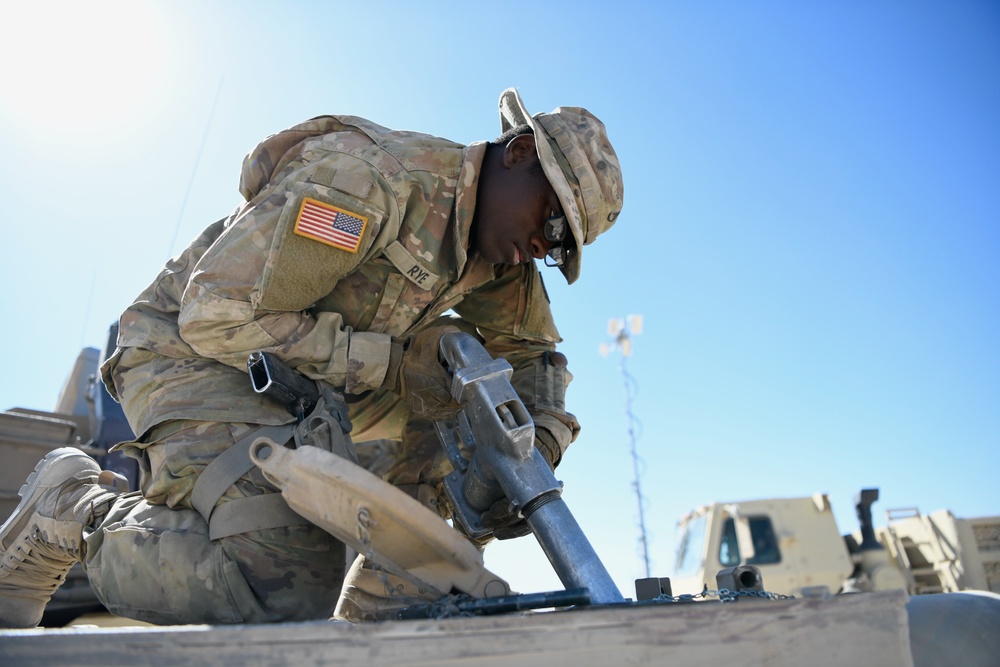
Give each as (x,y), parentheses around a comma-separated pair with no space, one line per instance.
(261,280)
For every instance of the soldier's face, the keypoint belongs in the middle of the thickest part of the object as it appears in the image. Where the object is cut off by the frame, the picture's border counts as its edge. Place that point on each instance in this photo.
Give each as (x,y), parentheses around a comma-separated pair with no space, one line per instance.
(513,202)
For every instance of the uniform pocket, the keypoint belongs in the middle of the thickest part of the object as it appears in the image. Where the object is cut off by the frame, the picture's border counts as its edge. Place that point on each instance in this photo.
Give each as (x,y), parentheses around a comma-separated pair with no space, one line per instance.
(156,564)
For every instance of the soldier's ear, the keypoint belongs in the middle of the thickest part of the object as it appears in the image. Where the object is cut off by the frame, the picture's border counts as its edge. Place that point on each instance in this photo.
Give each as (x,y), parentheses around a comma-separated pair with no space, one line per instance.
(519,149)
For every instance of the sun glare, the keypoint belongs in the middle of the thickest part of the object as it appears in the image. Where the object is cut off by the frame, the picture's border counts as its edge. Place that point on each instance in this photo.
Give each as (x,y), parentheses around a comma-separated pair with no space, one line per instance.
(80,64)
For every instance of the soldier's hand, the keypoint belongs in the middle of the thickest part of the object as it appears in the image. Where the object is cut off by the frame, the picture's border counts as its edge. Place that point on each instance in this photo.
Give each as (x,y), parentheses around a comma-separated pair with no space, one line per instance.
(504,521)
(419,377)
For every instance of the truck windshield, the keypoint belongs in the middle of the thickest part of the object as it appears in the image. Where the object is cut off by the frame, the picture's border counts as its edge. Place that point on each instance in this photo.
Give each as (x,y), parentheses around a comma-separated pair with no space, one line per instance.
(690,538)
(765,544)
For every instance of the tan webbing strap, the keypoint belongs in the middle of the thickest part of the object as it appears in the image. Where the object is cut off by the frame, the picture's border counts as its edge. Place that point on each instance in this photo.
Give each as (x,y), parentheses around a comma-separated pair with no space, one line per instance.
(229,466)
(243,515)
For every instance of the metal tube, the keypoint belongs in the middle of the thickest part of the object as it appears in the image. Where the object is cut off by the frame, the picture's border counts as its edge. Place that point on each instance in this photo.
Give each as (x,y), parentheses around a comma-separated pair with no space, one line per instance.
(570,553)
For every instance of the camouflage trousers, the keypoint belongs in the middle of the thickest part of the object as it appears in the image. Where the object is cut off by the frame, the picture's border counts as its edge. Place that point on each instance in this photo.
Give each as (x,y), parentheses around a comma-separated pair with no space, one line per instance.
(151,557)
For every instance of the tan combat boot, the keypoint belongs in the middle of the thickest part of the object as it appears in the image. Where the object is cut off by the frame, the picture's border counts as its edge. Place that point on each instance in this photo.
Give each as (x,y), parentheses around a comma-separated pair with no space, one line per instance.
(371,595)
(43,538)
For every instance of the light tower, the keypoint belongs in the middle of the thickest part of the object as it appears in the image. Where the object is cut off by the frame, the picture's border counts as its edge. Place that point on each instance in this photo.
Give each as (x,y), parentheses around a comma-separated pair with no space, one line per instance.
(622,331)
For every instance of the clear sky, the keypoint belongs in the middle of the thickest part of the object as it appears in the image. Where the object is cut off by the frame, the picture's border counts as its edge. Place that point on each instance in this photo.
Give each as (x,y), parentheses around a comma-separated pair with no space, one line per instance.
(811,226)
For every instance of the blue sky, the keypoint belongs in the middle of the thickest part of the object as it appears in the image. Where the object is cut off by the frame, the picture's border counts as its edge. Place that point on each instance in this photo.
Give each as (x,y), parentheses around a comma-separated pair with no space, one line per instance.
(811,222)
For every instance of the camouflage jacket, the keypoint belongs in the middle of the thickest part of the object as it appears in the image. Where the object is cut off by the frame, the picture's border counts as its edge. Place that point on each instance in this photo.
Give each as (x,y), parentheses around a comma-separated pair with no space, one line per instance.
(400,207)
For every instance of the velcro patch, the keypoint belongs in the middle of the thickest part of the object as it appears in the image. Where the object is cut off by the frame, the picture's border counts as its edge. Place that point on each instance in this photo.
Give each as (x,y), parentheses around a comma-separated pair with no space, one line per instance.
(330,225)
(409,267)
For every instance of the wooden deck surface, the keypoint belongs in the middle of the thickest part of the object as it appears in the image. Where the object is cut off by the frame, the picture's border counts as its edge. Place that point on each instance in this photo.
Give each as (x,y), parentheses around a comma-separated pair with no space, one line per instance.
(866,629)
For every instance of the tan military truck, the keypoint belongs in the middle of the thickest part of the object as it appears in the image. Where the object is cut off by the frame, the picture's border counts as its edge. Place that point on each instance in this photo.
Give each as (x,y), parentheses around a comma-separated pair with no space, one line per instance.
(800,551)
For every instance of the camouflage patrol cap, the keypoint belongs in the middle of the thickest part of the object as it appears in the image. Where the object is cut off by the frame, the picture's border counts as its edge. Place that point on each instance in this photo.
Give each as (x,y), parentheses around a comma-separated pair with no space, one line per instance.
(581,166)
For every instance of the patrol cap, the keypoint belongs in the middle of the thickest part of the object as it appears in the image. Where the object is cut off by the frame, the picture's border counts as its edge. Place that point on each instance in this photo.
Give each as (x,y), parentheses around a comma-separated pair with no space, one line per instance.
(581,166)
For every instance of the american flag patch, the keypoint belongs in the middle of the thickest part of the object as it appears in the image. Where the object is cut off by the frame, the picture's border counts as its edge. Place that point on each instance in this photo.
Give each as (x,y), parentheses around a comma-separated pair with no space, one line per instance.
(330,225)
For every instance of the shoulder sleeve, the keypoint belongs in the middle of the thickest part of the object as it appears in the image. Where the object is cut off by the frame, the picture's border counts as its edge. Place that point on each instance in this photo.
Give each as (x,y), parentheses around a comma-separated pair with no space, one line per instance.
(323,215)
(322,233)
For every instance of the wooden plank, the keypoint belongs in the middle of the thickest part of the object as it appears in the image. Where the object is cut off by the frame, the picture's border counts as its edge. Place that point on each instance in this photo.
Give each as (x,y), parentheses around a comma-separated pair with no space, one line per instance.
(867,629)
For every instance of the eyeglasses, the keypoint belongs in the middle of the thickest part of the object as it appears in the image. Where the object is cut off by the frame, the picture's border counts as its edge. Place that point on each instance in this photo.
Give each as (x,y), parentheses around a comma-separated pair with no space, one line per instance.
(555,233)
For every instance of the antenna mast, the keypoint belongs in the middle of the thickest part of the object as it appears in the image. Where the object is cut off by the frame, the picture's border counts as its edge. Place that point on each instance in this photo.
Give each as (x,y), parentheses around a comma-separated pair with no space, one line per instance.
(621,331)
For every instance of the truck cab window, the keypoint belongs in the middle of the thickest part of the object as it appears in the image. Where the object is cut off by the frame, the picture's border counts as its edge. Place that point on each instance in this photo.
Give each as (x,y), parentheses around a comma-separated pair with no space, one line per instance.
(691,537)
(765,543)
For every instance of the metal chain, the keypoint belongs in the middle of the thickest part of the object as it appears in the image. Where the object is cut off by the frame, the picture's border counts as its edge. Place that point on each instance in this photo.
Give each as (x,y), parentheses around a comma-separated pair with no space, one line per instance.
(724,595)
(446,607)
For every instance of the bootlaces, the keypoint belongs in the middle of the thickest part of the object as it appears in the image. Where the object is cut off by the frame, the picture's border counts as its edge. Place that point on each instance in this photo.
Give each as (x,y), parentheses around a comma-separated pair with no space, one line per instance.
(38,565)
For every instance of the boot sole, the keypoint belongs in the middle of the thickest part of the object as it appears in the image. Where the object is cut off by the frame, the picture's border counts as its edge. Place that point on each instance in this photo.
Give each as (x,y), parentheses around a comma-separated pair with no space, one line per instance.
(57,466)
